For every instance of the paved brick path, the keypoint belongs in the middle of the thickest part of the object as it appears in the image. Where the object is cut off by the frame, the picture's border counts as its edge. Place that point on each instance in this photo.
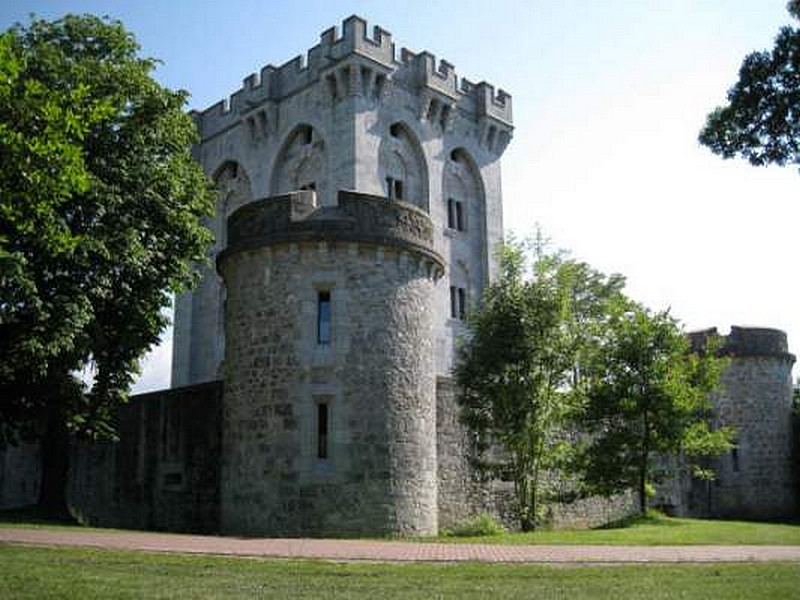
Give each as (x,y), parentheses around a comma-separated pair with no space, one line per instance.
(374,550)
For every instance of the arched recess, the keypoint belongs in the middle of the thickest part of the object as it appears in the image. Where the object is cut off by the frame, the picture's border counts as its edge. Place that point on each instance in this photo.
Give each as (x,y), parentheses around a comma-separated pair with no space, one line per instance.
(401,167)
(233,191)
(302,163)
(463,196)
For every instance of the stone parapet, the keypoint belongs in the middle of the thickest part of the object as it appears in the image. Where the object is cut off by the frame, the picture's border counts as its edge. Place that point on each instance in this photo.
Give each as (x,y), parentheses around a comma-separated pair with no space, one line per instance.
(745,342)
(357,217)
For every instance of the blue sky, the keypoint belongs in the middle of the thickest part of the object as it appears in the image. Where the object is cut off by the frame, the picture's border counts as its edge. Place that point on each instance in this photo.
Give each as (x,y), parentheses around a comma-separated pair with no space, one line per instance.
(608,99)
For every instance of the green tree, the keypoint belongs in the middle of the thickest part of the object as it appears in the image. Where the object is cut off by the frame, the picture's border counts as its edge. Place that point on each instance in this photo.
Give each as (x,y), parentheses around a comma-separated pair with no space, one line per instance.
(761,121)
(519,368)
(100,207)
(648,398)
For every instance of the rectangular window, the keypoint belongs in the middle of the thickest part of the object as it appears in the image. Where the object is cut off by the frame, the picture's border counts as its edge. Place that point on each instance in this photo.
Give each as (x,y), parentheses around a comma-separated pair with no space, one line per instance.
(394,188)
(458,302)
(451,213)
(322,430)
(455,214)
(323,317)
(735,459)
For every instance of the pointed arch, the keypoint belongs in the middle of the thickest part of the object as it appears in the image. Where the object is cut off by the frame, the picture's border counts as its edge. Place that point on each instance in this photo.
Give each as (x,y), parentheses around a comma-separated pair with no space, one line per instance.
(302,163)
(402,168)
(233,191)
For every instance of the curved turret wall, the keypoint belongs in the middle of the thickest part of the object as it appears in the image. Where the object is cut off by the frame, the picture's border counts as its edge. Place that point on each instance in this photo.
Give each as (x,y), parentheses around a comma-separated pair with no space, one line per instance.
(755,397)
(373,261)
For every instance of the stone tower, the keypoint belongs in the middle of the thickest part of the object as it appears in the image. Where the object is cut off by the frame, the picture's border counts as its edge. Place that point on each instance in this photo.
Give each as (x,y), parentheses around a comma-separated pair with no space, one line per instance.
(359,203)
(755,397)
(754,480)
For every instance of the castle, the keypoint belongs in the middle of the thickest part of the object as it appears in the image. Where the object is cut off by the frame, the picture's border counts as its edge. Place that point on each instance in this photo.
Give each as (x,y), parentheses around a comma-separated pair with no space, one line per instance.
(359,203)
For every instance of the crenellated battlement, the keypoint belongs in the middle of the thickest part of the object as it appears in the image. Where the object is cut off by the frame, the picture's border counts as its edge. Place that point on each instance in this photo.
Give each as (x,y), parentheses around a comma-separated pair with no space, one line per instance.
(359,63)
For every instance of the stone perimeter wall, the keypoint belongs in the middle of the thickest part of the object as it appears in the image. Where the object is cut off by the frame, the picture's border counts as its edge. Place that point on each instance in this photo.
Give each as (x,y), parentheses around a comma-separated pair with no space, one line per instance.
(20,475)
(163,474)
(462,494)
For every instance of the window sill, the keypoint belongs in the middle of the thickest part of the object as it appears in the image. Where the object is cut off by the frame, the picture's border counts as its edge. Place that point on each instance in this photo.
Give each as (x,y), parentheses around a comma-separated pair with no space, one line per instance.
(454,233)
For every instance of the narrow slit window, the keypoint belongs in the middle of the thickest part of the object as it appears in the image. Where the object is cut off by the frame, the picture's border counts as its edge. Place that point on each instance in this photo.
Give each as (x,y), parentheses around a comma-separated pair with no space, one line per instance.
(735,459)
(458,303)
(323,318)
(322,430)
(460,216)
(451,213)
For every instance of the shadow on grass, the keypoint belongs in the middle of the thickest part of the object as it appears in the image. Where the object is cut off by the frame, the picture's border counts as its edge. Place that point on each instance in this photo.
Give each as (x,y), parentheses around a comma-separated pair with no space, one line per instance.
(659,519)
(653,517)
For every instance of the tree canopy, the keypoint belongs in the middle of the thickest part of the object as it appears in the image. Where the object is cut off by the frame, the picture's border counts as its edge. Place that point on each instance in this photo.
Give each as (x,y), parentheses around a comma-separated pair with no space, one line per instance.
(649,398)
(761,121)
(519,368)
(568,383)
(100,208)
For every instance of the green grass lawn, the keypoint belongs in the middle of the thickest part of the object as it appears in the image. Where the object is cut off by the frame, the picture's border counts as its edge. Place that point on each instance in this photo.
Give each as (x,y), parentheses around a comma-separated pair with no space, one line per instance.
(655,530)
(78,573)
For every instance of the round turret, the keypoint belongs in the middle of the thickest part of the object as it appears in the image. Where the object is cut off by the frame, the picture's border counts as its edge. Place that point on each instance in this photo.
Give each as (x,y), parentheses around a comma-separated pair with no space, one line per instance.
(755,397)
(329,403)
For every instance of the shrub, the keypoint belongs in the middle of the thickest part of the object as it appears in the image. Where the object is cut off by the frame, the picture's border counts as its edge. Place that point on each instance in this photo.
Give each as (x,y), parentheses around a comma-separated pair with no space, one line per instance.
(479,525)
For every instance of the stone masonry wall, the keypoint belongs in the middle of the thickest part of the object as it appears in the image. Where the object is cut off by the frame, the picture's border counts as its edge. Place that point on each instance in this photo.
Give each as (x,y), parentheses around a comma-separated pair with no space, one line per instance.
(756,480)
(376,376)
(20,474)
(163,473)
(459,487)
(462,494)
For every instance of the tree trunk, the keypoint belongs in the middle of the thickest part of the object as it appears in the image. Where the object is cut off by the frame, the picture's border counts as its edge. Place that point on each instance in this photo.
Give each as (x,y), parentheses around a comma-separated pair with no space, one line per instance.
(643,466)
(55,467)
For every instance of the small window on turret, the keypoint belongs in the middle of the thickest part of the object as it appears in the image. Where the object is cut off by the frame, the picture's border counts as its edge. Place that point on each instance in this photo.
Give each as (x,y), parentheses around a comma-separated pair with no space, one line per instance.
(306,135)
(394,130)
(322,430)
(323,317)
(735,459)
